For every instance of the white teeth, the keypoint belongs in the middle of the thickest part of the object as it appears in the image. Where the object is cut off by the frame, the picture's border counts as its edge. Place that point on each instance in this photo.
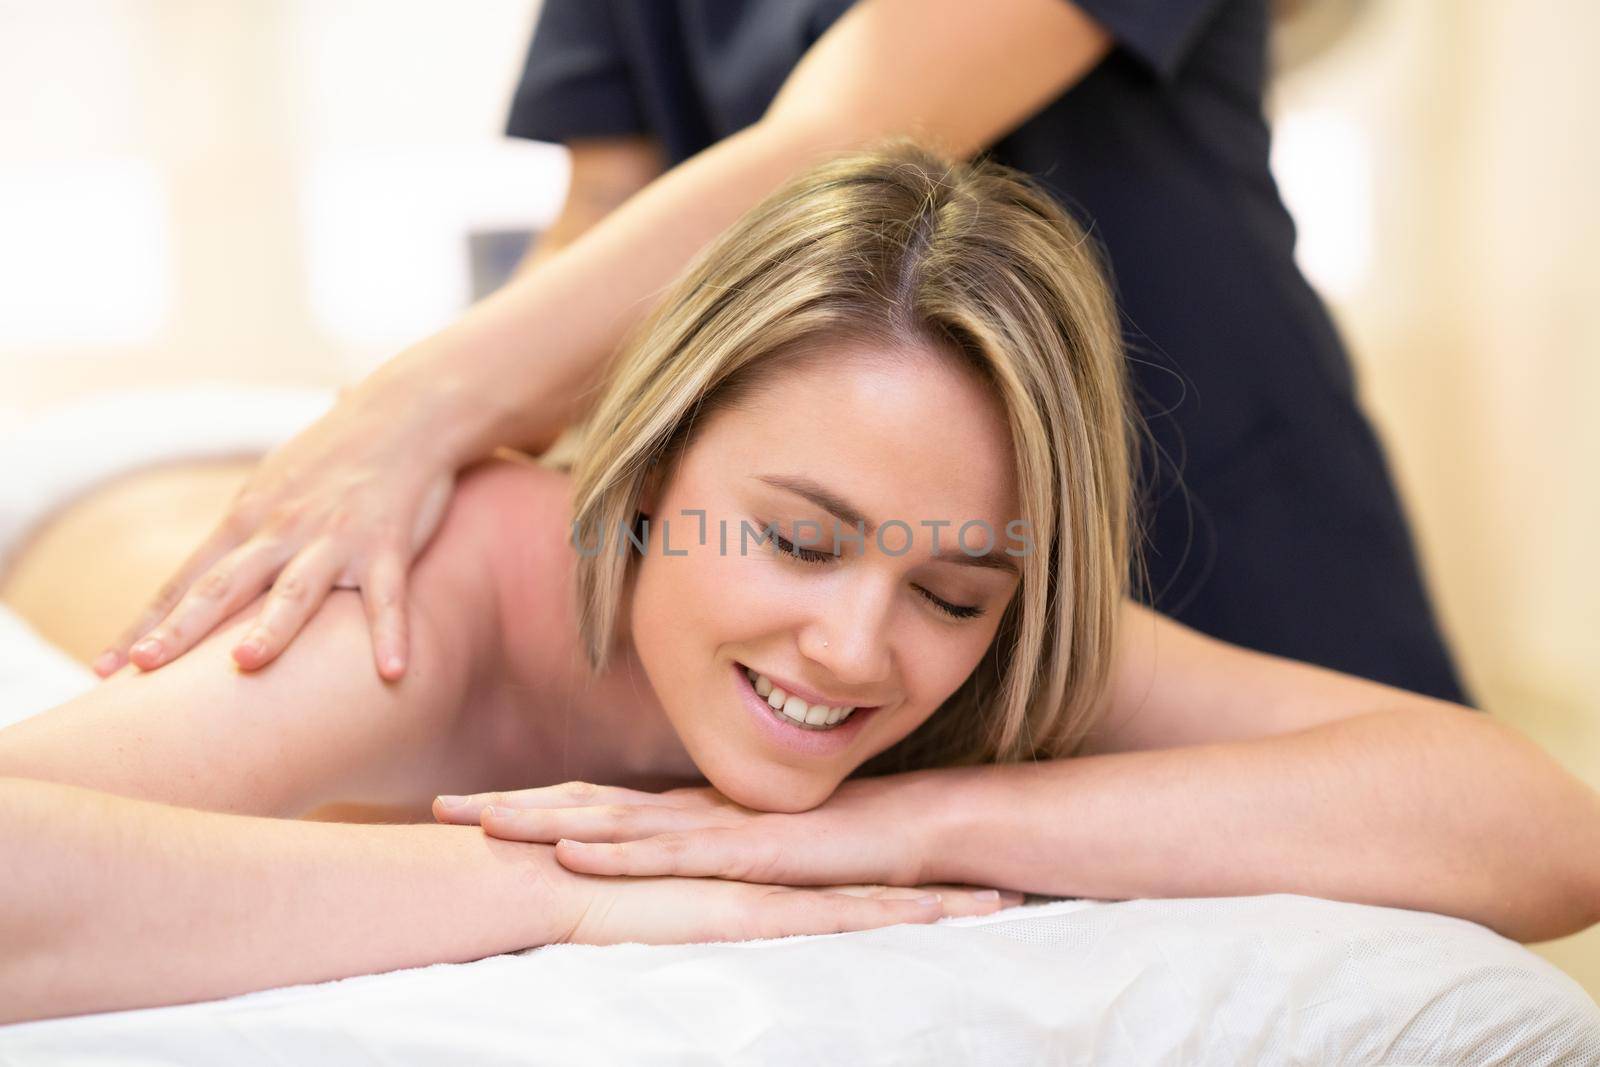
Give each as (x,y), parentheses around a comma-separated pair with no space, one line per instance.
(793,707)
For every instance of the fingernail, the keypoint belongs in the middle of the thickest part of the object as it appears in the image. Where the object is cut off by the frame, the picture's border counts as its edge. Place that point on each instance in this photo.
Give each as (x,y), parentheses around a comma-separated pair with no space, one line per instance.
(487,812)
(148,647)
(252,646)
(451,802)
(987,894)
(570,843)
(929,900)
(105,662)
(392,664)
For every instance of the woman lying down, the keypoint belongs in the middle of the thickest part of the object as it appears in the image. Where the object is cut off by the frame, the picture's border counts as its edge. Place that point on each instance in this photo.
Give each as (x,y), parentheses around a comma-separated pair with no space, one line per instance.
(845,559)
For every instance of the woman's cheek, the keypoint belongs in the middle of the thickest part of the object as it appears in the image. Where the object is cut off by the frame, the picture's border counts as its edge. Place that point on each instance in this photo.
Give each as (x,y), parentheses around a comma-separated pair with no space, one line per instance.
(717,599)
(941,662)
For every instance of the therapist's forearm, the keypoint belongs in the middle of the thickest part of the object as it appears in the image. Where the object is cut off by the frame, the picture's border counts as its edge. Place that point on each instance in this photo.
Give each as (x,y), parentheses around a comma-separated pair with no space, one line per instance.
(1430,809)
(522,364)
(110,903)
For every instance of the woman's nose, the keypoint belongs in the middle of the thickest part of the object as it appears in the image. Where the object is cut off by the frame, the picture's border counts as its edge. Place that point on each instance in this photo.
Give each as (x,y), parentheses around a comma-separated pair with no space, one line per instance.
(851,640)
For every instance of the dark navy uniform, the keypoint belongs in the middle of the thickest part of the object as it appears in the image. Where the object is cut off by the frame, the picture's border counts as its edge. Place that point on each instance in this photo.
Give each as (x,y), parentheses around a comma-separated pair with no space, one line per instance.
(1271,520)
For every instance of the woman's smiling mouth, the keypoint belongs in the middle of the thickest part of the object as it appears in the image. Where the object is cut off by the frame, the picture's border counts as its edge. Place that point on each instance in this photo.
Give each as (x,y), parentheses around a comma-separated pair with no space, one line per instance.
(788,723)
(803,713)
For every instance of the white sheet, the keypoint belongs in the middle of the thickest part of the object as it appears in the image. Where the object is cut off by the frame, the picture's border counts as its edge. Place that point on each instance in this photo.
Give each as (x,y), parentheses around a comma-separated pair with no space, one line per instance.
(1253,980)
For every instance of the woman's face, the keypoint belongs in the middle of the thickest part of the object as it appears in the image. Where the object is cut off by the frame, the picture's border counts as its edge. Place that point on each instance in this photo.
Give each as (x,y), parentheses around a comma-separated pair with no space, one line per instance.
(914,445)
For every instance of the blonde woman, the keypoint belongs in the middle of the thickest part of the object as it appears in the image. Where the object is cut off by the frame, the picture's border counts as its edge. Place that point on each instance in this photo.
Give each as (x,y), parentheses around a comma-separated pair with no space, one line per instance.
(739,590)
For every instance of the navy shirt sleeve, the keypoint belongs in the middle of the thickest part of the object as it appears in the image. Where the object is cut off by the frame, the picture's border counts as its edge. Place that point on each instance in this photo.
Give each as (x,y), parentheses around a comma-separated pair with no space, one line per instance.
(575,81)
(1160,33)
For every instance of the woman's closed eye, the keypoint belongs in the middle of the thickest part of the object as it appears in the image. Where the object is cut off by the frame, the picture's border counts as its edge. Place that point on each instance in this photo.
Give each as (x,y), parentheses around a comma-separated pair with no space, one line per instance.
(811,555)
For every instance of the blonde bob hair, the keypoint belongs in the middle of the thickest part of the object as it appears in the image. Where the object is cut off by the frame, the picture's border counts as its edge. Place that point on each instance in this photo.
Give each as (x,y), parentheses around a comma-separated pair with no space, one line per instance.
(905,250)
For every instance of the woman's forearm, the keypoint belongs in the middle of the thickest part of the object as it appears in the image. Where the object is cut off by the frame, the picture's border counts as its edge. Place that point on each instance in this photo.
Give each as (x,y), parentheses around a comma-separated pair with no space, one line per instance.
(1430,809)
(112,903)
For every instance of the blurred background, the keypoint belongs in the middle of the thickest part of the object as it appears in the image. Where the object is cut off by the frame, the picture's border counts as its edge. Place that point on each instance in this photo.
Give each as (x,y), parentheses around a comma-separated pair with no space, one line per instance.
(288,192)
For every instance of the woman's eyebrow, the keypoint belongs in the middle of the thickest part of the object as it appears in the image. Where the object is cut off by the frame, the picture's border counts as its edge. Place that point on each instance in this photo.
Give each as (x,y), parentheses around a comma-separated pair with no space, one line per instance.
(821,496)
(992,559)
(851,515)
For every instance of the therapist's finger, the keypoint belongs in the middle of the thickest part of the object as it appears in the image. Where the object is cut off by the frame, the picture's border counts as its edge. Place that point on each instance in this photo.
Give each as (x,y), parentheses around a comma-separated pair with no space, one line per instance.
(229,585)
(295,597)
(222,540)
(383,594)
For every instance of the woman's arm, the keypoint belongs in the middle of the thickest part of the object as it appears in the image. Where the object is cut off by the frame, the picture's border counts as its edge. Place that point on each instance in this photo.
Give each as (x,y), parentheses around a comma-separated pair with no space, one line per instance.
(1221,772)
(111,903)
(1227,772)
(120,903)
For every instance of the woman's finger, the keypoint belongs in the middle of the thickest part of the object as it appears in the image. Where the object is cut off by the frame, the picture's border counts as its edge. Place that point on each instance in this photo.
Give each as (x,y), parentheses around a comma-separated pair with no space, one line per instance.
(786,912)
(707,853)
(973,900)
(233,582)
(383,594)
(604,822)
(956,899)
(218,544)
(295,597)
(468,809)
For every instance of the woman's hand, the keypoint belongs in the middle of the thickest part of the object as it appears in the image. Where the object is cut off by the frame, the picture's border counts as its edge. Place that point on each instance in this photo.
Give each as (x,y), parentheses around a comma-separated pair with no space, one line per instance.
(348,502)
(657,911)
(866,832)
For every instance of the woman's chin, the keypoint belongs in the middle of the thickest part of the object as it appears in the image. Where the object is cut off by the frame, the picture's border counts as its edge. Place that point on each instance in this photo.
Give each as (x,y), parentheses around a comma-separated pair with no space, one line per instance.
(779,790)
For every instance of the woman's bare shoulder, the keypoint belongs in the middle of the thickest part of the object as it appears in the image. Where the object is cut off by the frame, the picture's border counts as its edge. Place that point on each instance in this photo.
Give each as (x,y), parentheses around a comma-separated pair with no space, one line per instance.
(522,510)
(1171,686)
(526,488)
(318,726)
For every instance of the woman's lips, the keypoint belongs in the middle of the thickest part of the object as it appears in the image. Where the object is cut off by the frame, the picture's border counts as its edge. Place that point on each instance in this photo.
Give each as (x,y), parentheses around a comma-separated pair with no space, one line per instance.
(810,696)
(784,733)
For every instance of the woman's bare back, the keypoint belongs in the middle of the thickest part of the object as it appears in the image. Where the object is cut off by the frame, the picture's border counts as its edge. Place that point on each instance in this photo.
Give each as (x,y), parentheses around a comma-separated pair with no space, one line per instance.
(495,697)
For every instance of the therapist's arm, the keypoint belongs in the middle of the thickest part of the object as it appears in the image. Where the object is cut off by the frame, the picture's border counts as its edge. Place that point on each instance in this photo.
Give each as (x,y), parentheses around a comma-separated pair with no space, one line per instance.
(109,902)
(1224,772)
(604,173)
(521,364)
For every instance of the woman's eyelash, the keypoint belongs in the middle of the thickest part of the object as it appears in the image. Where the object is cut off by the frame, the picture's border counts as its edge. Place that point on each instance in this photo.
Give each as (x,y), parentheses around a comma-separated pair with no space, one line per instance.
(811,555)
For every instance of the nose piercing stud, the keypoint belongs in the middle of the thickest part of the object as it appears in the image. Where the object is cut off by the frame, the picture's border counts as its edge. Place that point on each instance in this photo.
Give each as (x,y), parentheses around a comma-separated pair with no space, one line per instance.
(824,644)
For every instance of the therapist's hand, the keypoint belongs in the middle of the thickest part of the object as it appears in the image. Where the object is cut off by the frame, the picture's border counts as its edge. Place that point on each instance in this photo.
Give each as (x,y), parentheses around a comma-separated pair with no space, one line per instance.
(349,502)
(869,831)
